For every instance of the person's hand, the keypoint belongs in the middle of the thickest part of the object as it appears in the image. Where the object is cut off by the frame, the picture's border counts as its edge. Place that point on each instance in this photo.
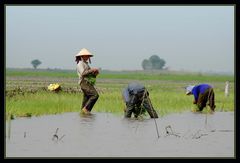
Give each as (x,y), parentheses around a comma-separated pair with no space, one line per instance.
(95,71)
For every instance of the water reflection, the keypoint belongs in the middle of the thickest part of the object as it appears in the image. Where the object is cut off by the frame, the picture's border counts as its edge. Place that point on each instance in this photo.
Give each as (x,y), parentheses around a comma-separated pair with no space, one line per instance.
(109,135)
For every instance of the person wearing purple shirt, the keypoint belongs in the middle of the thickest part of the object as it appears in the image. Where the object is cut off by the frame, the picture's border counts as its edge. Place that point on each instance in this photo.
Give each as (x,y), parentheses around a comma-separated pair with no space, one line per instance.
(202,93)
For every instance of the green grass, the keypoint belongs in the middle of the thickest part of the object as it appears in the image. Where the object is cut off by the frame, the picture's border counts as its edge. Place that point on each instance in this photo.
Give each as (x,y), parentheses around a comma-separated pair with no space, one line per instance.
(166,90)
(134,75)
(164,101)
(41,103)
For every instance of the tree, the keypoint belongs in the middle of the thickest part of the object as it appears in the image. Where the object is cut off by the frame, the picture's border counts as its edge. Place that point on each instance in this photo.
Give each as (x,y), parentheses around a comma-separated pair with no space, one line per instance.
(36,63)
(155,60)
(153,63)
(157,63)
(146,64)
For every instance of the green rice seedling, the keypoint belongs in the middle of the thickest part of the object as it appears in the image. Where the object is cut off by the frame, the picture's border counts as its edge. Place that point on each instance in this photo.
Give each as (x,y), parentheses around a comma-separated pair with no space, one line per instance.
(166,90)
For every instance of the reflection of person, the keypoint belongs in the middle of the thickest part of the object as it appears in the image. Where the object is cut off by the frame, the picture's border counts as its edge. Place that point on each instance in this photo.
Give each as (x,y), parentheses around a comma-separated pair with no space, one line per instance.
(137,101)
(87,79)
(202,93)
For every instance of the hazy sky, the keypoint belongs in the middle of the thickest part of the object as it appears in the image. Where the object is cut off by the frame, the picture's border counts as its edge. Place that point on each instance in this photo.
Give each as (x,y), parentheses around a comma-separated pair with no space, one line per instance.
(191,38)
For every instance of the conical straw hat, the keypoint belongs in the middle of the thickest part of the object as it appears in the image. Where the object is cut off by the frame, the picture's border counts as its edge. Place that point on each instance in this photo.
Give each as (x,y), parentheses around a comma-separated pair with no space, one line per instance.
(82,52)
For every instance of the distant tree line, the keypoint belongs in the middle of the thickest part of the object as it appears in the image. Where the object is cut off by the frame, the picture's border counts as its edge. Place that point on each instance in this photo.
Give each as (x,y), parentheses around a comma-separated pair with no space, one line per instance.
(153,63)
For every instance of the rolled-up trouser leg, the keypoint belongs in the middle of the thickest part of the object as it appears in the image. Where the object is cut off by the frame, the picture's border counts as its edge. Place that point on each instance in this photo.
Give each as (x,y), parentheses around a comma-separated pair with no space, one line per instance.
(90,93)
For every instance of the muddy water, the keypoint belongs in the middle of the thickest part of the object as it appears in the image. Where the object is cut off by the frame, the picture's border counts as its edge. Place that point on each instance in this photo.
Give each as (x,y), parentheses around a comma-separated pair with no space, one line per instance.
(107,135)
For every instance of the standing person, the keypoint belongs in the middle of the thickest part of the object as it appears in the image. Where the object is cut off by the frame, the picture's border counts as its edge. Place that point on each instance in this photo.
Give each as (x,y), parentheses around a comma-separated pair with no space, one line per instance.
(87,79)
(202,93)
(136,98)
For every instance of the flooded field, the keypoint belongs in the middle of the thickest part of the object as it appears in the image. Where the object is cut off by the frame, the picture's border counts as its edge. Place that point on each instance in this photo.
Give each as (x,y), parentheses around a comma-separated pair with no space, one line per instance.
(108,135)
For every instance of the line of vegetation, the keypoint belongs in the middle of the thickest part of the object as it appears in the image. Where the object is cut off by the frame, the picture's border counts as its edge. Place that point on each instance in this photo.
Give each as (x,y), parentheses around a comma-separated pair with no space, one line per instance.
(29,97)
(45,102)
(134,75)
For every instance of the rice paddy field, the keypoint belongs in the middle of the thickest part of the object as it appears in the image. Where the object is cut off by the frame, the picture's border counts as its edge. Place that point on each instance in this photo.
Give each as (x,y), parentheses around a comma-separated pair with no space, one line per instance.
(56,129)
(26,92)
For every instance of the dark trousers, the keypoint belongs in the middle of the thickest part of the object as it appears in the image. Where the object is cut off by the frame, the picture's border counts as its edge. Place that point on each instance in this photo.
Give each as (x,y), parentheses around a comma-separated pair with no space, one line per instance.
(207,96)
(90,95)
(138,104)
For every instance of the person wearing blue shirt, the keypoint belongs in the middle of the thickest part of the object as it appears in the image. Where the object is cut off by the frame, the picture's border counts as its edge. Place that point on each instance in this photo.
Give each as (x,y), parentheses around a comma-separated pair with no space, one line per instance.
(202,93)
(136,98)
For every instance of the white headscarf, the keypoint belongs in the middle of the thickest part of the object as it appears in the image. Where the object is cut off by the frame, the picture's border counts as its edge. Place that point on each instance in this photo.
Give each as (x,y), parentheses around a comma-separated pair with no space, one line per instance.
(189,89)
